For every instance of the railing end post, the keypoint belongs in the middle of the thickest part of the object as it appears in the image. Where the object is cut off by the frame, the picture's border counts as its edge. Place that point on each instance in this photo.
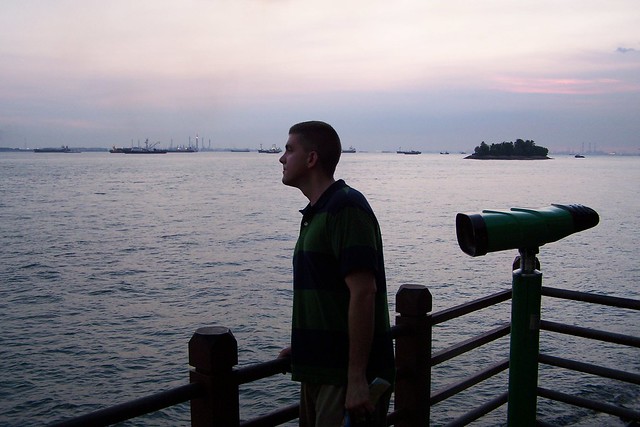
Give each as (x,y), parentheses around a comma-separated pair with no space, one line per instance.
(413,355)
(413,300)
(213,352)
(211,348)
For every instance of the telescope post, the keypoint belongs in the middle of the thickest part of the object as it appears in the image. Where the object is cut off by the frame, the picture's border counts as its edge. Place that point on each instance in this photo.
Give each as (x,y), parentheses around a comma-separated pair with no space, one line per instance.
(525,230)
(524,346)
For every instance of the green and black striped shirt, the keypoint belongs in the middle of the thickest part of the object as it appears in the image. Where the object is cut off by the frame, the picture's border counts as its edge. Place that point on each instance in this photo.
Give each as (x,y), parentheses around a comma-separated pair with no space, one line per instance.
(339,234)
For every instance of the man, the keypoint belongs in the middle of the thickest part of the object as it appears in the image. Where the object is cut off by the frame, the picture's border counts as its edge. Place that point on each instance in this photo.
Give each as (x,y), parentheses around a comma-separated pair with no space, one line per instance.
(340,338)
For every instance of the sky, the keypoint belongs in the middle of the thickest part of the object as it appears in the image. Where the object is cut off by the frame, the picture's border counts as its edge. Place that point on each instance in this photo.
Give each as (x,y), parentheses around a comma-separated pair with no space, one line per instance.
(417,74)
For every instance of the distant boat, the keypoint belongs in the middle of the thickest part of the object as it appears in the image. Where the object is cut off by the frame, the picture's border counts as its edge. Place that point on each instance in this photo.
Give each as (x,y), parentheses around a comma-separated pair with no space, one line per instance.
(349,150)
(140,150)
(579,156)
(147,149)
(444,152)
(273,150)
(401,151)
(239,150)
(62,149)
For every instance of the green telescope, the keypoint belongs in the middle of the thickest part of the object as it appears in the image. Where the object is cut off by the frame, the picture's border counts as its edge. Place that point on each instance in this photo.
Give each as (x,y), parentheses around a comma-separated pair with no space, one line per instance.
(519,228)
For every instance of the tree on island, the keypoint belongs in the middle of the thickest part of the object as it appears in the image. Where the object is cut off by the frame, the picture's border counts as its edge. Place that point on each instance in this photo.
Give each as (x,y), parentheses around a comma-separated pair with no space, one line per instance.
(520,148)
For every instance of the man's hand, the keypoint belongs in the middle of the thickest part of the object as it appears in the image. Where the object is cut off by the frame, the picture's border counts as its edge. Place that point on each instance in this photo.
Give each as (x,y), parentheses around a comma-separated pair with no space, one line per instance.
(357,400)
(285,352)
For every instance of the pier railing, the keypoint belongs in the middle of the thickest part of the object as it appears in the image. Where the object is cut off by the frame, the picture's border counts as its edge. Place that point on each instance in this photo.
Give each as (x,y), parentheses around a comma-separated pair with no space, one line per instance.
(215,379)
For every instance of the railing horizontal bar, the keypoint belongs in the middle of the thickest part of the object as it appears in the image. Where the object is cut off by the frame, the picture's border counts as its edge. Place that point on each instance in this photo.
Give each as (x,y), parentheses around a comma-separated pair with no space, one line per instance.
(470,307)
(592,298)
(136,408)
(596,334)
(589,368)
(275,418)
(625,413)
(445,393)
(468,345)
(481,411)
(258,371)
(395,416)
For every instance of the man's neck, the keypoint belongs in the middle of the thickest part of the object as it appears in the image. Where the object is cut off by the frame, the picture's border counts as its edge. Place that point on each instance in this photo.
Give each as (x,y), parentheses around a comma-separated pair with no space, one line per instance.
(316,188)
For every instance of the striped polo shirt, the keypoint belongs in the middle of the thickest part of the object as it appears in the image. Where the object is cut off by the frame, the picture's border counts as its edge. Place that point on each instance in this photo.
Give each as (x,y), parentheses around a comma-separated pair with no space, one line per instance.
(339,234)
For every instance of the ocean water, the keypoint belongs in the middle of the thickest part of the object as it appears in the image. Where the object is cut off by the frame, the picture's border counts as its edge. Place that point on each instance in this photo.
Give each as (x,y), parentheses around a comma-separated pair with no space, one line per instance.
(111,262)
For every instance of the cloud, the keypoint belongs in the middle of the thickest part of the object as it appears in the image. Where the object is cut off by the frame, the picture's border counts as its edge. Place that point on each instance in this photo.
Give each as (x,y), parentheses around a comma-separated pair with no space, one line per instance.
(563,86)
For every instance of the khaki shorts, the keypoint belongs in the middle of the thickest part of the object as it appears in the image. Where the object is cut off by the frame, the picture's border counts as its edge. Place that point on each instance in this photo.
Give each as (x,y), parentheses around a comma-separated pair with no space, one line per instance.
(323,406)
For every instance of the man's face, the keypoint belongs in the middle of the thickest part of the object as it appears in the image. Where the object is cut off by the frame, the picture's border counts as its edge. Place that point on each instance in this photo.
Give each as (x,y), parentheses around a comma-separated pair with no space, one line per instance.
(294,162)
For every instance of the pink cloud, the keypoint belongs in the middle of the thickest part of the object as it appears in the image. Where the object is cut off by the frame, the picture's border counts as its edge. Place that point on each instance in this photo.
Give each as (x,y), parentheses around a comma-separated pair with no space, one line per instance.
(564,86)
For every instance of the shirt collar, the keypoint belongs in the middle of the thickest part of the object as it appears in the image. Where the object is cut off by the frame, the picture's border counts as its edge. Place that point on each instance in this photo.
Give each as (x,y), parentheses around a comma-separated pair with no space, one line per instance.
(336,186)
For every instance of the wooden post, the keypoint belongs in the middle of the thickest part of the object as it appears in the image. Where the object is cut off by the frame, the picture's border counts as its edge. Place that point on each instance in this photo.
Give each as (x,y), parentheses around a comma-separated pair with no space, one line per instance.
(213,352)
(413,356)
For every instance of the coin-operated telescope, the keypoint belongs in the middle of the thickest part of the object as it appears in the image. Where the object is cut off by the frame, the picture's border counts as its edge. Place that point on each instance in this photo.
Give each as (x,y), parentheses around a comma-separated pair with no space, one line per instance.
(525,230)
(519,228)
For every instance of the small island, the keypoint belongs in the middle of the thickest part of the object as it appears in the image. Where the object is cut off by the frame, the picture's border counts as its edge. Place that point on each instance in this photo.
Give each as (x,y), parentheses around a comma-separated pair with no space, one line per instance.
(519,150)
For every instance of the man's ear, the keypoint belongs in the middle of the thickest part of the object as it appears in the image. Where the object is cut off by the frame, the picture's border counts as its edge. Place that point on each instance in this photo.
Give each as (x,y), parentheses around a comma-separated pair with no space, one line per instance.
(312,159)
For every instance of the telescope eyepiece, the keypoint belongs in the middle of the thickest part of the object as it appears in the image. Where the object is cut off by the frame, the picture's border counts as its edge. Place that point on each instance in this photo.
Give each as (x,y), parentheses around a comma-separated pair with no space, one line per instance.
(583,217)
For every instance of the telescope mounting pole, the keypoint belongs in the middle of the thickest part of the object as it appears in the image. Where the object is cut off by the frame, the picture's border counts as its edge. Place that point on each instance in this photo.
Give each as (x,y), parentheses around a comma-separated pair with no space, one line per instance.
(524,346)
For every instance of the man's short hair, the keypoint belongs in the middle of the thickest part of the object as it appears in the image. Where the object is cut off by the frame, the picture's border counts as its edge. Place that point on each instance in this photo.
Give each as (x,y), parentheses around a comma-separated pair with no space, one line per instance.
(323,139)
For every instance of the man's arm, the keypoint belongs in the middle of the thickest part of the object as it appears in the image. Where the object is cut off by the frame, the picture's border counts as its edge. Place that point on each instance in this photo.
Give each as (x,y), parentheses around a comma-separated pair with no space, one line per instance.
(362,290)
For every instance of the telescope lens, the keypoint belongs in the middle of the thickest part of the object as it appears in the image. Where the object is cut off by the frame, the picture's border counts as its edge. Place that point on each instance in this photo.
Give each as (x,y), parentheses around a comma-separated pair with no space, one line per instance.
(472,234)
(583,216)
